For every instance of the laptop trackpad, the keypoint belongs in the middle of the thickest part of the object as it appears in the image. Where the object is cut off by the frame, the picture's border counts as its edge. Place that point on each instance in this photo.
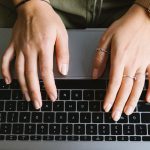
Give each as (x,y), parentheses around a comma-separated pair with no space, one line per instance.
(82,47)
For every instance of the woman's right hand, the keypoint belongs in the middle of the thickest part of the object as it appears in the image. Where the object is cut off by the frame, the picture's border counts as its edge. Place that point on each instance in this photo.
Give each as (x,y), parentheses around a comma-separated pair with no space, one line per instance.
(36,31)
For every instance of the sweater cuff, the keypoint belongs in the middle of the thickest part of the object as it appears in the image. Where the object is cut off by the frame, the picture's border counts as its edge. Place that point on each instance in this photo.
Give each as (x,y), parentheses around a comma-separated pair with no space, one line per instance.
(144,3)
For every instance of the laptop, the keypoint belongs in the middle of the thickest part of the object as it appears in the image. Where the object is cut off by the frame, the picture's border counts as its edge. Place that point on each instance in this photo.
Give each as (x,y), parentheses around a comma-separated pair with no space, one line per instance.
(76,120)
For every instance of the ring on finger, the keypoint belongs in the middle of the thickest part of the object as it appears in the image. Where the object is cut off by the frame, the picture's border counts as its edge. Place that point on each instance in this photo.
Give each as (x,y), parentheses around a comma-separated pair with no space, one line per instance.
(102,50)
(131,77)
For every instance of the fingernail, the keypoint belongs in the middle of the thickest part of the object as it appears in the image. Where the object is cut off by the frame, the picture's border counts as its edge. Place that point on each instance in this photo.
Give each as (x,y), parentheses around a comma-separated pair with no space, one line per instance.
(107,107)
(27,97)
(7,81)
(64,69)
(95,73)
(129,110)
(53,98)
(116,115)
(37,105)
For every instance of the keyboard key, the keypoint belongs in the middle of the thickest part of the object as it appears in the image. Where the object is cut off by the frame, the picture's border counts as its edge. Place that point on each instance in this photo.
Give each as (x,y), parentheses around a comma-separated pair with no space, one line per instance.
(143,107)
(48,117)
(72,138)
(146,138)
(91,129)
(73,117)
(103,129)
(60,138)
(36,117)
(61,117)
(64,95)
(17,95)
(1,105)
(97,117)
(14,84)
(116,129)
(3,85)
(76,95)
(10,105)
(32,108)
(24,117)
(23,137)
(85,138)
(134,118)
(100,94)
(122,138)
(5,95)
(12,117)
(22,106)
(42,129)
(11,137)
(5,128)
(128,129)
(67,129)
(30,128)
(94,106)
(17,129)
(2,116)
(70,106)
(58,106)
(141,129)
(145,117)
(35,138)
(85,117)
(82,106)
(123,119)
(48,138)
(97,138)
(88,95)
(110,138)
(108,118)
(47,106)
(54,129)
(79,129)
(135,138)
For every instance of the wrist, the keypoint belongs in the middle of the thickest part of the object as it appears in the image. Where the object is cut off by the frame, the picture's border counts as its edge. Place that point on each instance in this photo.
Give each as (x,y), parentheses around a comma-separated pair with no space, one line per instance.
(28,6)
(140,11)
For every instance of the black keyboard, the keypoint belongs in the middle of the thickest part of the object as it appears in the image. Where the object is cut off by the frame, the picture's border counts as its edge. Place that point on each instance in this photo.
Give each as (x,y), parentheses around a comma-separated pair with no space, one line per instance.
(77,115)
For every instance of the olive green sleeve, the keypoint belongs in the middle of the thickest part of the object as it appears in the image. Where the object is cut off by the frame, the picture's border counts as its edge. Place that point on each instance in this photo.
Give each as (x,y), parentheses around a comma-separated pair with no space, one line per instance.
(7,14)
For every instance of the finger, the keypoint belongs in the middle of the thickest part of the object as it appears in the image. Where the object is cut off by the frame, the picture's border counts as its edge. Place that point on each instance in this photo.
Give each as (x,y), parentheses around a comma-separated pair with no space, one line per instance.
(148,89)
(6,59)
(101,57)
(135,93)
(31,75)
(21,76)
(115,78)
(62,52)
(123,94)
(46,70)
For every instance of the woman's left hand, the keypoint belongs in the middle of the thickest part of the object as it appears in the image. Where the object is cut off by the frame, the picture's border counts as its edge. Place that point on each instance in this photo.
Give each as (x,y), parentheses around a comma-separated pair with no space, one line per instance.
(129,41)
